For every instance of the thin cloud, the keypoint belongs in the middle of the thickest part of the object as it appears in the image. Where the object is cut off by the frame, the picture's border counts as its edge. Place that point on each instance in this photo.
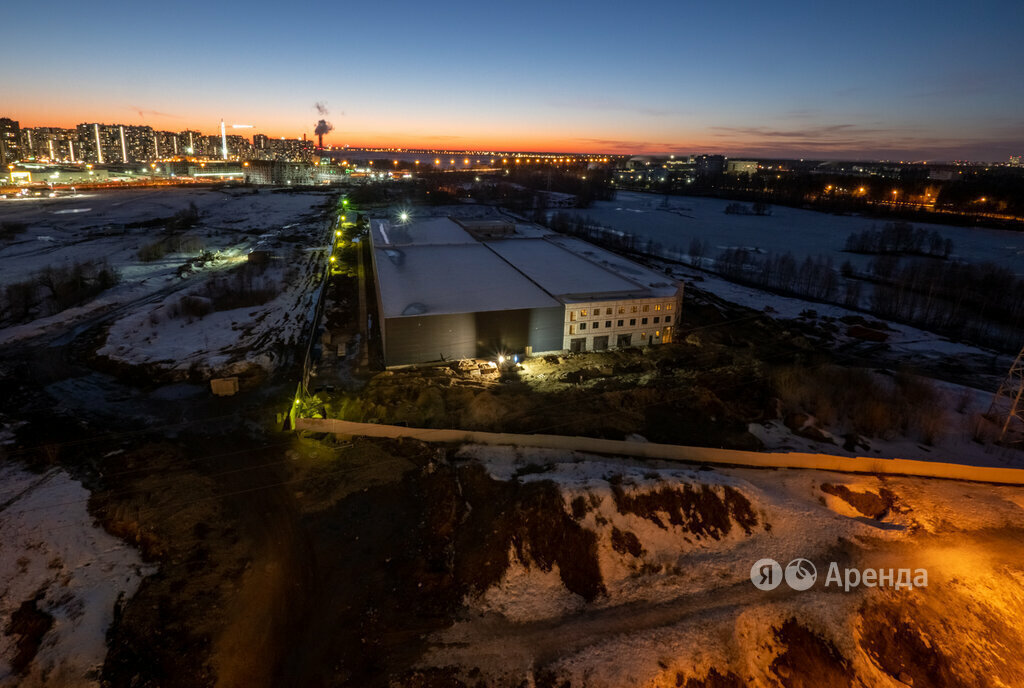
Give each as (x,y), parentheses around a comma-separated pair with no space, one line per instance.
(153,113)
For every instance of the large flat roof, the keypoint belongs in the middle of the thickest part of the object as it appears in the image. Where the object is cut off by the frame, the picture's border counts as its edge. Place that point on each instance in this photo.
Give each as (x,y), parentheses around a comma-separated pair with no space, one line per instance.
(561,272)
(653,281)
(446,279)
(431,231)
(434,266)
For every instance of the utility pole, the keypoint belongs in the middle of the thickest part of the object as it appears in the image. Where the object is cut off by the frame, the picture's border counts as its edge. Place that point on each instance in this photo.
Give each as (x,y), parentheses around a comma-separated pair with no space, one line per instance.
(1009,396)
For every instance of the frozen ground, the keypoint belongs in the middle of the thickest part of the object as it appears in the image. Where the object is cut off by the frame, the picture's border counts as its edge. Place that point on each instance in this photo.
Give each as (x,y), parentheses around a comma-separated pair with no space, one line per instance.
(51,552)
(95,226)
(675,546)
(802,232)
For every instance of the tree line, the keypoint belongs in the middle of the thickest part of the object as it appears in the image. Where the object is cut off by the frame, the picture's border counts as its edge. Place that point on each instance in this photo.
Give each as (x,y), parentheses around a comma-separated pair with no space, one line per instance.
(899,238)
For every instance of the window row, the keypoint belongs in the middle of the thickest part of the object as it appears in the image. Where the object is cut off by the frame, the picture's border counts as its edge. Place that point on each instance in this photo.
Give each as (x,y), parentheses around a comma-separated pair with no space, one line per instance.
(644,308)
(596,325)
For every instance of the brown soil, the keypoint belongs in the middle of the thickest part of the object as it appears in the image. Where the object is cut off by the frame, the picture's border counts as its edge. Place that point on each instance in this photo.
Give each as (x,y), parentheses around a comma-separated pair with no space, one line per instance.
(808,660)
(712,680)
(625,542)
(876,506)
(698,509)
(30,624)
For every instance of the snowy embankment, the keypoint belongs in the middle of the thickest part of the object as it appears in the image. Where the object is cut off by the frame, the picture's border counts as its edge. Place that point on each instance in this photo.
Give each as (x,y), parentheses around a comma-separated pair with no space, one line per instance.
(674,548)
(60,579)
(224,341)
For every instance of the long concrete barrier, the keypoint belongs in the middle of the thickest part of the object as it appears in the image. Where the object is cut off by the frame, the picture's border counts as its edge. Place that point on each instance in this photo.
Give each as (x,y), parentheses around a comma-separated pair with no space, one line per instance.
(673,452)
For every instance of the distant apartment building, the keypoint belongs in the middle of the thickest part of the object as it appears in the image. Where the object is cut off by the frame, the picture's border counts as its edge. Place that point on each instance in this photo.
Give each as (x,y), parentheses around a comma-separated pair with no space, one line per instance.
(738,167)
(50,143)
(450,288)
(10,138)
(100,143)
(193,143)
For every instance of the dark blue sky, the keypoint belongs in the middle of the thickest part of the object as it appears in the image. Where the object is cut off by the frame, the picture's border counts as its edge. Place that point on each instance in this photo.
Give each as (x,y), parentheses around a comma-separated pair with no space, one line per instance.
(898,79)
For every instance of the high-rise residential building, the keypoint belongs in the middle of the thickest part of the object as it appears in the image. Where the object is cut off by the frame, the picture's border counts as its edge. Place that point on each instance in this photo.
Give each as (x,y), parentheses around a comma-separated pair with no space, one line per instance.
(10,134)
(101,143)
(193,143)
(259,141)
(50,143)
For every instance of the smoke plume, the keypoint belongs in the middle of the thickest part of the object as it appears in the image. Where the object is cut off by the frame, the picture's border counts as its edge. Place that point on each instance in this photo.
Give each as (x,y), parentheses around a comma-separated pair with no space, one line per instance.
(323,127)
(321,108)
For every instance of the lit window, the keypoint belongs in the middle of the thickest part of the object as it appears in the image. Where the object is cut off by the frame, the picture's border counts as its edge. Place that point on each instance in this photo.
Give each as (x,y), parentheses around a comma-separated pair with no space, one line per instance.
(668,307)
(572,316)
(646,308)
(583,313)
(657,333)
(572,329)
(657,307)
(607,311)
(632,309)
(622,309)
(643,335)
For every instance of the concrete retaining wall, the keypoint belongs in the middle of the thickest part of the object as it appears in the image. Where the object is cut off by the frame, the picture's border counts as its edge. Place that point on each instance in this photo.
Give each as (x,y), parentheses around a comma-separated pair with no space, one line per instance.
(672,452)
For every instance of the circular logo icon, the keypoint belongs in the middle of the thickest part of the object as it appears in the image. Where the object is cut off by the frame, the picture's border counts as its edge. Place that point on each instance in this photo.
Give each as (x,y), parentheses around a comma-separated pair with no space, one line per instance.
(801,574)
(766,574)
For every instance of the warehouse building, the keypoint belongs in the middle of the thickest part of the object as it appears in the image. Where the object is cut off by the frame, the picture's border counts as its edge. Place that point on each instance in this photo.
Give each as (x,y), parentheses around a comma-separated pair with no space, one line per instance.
(450,288)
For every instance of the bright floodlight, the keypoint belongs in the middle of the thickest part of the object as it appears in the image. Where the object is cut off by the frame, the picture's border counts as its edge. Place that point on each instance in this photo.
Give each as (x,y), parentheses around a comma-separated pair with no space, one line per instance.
(501,359)
(404,217)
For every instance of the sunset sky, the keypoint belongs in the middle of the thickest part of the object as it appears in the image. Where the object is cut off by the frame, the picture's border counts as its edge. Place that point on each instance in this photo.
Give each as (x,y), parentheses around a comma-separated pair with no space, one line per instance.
(900,79)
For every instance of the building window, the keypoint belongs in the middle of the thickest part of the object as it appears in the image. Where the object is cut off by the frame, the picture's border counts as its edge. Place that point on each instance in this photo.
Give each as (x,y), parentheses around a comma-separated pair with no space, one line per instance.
(632,309)
(632,322)
(622,309)
(607,323)
(583,326)
(668,318)
(657,320)
(657,307)
(572,329)
(668,307)
(643,336)
(646,308)
(572,316)
(607,311)
(619,323)
(583,313)
(657,333)
(595,326)
(643,321)
(624,340)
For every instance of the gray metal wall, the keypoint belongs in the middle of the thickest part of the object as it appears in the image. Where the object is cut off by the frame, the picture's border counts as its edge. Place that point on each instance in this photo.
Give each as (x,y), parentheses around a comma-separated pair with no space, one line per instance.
(418,339)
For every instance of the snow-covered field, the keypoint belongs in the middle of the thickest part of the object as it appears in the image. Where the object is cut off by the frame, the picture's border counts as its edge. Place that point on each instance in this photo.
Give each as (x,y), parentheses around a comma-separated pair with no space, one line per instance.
(802,232)
(95,226)
(675,546)
(51,552)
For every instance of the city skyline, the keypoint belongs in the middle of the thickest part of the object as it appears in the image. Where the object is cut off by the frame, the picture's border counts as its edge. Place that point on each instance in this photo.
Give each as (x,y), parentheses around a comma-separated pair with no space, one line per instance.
(874,81)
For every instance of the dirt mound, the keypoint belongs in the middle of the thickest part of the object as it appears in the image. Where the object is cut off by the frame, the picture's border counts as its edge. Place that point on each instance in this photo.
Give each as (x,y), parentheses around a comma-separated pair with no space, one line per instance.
(876,506)
(701,510)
